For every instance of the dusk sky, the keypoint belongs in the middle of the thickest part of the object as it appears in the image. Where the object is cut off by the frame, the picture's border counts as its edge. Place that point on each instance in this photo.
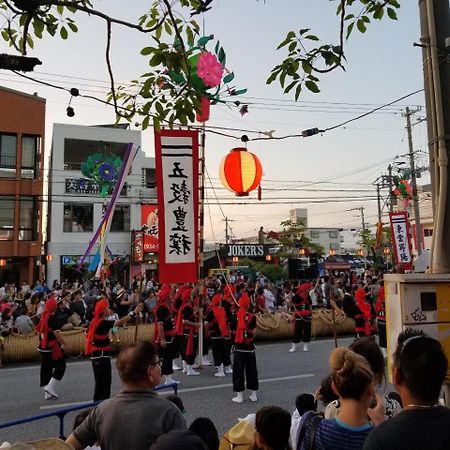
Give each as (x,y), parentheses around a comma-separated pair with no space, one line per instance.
(382,65)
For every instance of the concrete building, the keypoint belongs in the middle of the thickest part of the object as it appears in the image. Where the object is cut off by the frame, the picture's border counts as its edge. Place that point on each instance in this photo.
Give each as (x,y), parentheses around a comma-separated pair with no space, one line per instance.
(328,238)
(299,214)
(22,135)
(76,204)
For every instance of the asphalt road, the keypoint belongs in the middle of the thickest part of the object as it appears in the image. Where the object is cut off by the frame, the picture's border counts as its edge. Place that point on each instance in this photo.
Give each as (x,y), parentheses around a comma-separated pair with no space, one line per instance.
(282,376)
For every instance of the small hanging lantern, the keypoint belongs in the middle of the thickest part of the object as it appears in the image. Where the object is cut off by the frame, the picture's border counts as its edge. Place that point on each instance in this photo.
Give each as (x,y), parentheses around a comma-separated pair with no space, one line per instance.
(240,171)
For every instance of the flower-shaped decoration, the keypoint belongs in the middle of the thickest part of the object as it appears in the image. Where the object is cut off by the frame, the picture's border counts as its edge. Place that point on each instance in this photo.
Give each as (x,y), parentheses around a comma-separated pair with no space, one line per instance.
(209,69)
(403,189)
(208,76)
(102,169)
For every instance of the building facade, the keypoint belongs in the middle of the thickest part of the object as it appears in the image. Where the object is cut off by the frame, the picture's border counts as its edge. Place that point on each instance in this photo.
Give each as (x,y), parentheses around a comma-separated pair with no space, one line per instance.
(22,135)
(76,204)
(328,238)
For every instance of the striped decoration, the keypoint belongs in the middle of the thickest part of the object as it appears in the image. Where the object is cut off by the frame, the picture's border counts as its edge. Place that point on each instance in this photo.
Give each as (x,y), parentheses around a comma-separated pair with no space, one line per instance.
(240,171)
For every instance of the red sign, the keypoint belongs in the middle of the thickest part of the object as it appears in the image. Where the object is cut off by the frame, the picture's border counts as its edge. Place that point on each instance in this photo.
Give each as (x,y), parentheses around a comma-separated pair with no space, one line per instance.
(149,222)
(138,246)
(177,172)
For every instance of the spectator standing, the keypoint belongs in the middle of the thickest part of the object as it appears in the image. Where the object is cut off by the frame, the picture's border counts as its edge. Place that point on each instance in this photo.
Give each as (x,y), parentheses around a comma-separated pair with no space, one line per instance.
(140,371)
(419,369)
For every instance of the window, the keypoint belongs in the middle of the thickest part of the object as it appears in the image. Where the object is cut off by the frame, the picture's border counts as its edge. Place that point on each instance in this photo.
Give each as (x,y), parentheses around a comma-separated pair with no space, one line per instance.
(28,219)
(6,218)
(8,155)
(315,234)
(334,246)
(428,232)
(30,161)
(334,234)
(78,217)
(148,178)
(121,218)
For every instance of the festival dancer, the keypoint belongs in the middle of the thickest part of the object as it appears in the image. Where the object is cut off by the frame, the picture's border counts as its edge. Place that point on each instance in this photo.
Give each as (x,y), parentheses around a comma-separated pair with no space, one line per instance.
(187,327)
(51,348)
(244,358)
(380,308)
(218,322)
(363,314)
(301,304)
(165,333)
(98,345)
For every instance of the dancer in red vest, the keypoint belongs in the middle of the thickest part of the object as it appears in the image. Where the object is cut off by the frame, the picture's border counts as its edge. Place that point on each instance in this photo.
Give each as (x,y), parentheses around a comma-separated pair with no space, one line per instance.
(301,304)
(218,320)
(51,348)
(98,346)
(244,358)
(165,333)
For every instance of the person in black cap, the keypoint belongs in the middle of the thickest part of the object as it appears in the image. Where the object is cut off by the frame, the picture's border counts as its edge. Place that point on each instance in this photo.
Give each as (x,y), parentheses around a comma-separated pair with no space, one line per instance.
(179,440)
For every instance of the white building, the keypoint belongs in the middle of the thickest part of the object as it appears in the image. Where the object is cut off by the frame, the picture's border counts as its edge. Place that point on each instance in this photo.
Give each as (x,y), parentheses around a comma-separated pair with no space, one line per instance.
(76,206)
(328,238)
(299,214)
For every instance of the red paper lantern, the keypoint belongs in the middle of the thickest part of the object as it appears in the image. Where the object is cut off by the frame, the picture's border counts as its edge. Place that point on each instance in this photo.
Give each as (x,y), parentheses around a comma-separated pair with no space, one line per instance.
(240,171)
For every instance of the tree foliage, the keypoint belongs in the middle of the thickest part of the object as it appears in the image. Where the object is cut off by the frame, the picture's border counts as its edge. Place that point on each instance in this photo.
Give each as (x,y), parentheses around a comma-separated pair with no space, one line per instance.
(155,96)
(293,237)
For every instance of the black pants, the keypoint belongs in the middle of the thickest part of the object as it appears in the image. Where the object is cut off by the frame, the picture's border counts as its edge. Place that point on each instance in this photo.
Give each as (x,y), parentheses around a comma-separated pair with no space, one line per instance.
(221,349)
(244,369)
(382,333)
(102,375)
(50,368)
(206,343)
(302,331)
(168,354)
(190,359)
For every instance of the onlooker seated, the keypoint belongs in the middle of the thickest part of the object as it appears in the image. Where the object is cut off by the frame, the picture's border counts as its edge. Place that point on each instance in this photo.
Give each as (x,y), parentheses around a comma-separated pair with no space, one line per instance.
(273,425)
(135,417)
(303,404)
(352,381)
(179,440)
(206,430)
(62,315)
(23,322)
(419,369)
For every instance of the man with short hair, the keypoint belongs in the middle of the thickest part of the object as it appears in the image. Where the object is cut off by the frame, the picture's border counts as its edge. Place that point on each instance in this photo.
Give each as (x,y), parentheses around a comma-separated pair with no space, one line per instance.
(419,369)
(135,417)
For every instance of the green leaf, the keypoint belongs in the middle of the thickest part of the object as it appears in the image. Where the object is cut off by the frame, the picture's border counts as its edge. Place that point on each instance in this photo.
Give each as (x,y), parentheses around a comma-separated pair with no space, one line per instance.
(222,57)
(189,36)
(38,28)
(298,91)
(159,109)
(392,13)
(60,9)
(168,28)
(240,92)
(156,60)
(64,33)
(158,33)
(349,30)
(378,14)
(147,51)
(228,78)
(216,48)
(291,35)
(283,78)
(72,9)
(361,26)
(303,31)
(312,86)
(204,40)
(73,27)
(311,37)
(145,122)
(365,19)
(289,88)
(292,46)
(30,41)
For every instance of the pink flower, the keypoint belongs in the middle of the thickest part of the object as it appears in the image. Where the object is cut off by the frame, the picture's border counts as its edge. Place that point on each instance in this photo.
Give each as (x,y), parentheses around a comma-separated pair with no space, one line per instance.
(209,70)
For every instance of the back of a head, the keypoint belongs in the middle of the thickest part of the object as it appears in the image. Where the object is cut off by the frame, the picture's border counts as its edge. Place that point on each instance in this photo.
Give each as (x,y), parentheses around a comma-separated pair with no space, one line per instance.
(81,417)
(206,430)
(367,347)
(327,395)
(133,361)
(274,424)
(351,373)
(421,364)
(305,403)
(179,440)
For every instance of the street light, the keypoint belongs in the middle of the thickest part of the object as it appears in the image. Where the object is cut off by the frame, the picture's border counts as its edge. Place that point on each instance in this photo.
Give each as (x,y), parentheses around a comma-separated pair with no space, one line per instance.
(361,252)
(268,258)
(235,260)
(301,251)
(332,252)
(2,262)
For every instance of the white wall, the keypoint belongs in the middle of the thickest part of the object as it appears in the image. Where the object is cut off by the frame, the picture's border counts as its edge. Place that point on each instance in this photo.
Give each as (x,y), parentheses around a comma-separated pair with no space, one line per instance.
(75,243)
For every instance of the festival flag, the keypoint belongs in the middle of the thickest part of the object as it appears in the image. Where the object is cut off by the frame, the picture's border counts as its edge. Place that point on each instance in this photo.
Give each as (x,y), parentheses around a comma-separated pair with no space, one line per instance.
(177,172)
(105,223)
(401,239)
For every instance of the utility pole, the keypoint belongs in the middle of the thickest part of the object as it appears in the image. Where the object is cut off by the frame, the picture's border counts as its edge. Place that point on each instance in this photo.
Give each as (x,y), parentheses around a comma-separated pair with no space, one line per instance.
(391,195)
(412,164)
(435,26)
(227,229)
(379,202)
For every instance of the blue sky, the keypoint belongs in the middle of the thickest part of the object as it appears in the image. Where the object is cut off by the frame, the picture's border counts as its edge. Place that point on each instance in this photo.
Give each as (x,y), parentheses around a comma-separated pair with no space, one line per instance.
(382,65)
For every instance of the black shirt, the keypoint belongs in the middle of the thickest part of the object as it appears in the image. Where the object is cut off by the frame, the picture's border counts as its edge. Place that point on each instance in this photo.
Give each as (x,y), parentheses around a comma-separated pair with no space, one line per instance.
(413,429)
(101,336)
(53,325)
(163,315)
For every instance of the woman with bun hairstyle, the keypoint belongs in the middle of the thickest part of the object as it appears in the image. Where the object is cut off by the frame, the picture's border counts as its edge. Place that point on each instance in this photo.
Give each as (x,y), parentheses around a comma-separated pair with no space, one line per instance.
(353,383)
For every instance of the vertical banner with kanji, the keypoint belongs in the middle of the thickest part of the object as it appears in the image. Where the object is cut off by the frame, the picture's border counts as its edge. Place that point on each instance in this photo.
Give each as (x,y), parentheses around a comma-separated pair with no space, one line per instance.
(149,223)
(177,163)
(401,239)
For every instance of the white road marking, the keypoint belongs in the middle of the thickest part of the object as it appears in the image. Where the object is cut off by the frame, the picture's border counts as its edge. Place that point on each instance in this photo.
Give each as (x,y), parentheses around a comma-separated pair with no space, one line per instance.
(194,389)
